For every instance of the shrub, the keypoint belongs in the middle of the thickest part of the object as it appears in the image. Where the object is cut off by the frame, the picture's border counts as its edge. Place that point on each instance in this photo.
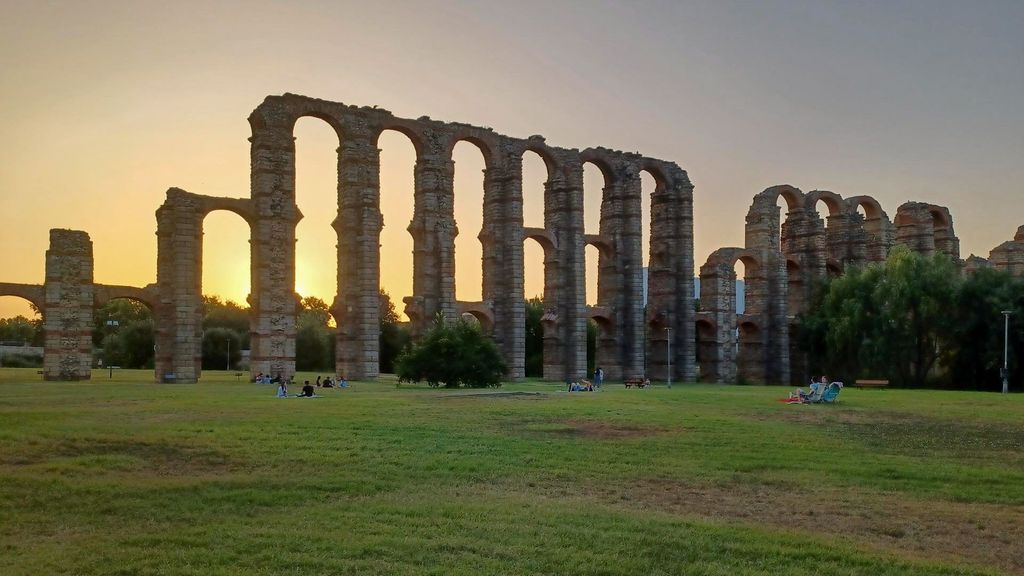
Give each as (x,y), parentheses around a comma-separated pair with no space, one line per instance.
(455,355)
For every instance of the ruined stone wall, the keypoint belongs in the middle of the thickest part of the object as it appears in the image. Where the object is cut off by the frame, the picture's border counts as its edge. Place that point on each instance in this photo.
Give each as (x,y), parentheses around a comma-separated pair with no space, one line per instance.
(433,229)
(787,260)
(178,306)
(68,306)
(1009,256)
(927,229)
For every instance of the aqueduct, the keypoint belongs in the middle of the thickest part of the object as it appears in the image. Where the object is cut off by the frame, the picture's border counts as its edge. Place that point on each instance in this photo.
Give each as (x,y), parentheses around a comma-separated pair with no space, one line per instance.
(784,260)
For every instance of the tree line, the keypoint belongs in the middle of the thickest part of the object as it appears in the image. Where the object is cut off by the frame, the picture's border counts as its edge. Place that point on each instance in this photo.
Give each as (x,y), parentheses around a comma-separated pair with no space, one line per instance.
(918,322)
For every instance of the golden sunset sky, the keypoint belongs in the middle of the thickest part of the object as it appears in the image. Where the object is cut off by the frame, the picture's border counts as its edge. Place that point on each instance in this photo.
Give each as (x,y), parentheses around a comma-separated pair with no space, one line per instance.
(105,105)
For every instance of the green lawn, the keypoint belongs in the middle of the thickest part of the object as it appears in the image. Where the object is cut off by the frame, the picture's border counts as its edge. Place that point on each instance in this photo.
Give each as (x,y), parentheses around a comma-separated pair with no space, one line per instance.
(122,476)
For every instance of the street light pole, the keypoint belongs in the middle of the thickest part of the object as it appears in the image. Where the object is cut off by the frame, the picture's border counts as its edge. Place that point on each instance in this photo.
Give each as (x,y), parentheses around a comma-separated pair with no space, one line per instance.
(1006,351)
(228,368)
(668,352)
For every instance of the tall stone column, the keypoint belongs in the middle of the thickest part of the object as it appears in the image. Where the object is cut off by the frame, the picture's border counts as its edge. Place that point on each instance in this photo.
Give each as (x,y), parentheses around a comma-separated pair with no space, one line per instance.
(614,349)
(565,278)
(670,278)
(273,302)
(433,231)
(357,306)
(718,305)
(179,309)
(502,240)
(68,306)
(627,227)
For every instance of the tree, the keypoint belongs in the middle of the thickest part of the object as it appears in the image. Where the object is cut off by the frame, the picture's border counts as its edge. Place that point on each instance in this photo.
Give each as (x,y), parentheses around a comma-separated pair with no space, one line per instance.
(116,315)
(454,355)
(394,338)
(216,342)
(534,337)
(226,314)
(975,356)
(21,330)
(885,320)
(314,339)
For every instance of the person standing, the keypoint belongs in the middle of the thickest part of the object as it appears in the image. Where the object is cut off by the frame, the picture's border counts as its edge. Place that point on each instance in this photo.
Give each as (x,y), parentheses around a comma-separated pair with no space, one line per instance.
(598,377)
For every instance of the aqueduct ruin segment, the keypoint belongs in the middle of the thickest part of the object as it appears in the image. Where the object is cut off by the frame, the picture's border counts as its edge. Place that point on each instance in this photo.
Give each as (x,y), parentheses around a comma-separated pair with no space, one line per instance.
(272,215)
(785,262)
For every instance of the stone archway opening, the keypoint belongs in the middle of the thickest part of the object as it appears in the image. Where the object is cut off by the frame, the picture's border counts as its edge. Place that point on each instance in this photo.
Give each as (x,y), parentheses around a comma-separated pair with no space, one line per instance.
(22,335)
(397,206)
(124,334)
(649,184)
(469,165)
(316,195)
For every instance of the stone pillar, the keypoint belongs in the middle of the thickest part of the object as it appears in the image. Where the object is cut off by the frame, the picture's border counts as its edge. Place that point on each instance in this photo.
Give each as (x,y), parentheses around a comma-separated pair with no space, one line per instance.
(433,230)
(614,348)
(273,302)
(1009,256)
(626,226)
(915,228)
(945,239)
(670,277)
(718,309)
(880,236)
(68,306)
(502,242)
(179,308)
(357,307)
(563,218)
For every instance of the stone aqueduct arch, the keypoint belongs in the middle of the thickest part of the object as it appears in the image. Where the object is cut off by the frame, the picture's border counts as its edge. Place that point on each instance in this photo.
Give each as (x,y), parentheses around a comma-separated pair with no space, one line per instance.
(785,260)
(272,215)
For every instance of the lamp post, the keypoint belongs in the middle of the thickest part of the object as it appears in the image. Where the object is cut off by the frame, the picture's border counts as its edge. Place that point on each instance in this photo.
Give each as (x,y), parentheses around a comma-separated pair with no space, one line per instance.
(668,353)
(228,363)
(1006,351)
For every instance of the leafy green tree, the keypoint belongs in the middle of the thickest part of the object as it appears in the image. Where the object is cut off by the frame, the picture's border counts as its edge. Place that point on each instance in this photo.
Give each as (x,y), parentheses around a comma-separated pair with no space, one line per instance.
(117,315)
(453,355)
(975,357)
(314,338)
(136,343)
(215,348)
(226,314)
(534,337)
(21,330)
(892,320)
(394,337)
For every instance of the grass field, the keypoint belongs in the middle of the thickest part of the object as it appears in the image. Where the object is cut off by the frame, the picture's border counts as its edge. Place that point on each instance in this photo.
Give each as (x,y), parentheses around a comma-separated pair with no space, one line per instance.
(121,476)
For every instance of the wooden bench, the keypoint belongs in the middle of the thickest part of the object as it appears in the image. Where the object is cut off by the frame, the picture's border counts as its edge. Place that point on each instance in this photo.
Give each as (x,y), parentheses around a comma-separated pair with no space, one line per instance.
(631,382)
(871,383)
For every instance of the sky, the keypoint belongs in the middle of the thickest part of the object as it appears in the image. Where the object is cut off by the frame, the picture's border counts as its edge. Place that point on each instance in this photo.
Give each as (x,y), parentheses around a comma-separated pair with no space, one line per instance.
(105,105)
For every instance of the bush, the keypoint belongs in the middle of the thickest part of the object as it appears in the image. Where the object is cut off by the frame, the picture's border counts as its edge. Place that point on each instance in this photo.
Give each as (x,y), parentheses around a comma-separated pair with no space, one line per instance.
(454,355)
(22,361)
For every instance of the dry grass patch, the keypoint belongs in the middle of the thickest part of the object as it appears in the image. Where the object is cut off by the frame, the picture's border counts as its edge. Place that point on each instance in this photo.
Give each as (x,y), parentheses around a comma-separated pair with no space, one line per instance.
(982,534)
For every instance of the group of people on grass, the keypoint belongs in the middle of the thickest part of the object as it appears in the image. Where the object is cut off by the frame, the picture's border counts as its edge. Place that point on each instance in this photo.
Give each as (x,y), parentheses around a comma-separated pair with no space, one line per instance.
(584,385)
(308,390)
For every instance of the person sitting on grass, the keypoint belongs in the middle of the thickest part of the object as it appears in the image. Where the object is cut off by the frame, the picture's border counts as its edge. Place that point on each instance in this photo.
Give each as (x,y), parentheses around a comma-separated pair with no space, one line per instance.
(814,390)
(307,390)
(342,382)
(282,390)
(328,383)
